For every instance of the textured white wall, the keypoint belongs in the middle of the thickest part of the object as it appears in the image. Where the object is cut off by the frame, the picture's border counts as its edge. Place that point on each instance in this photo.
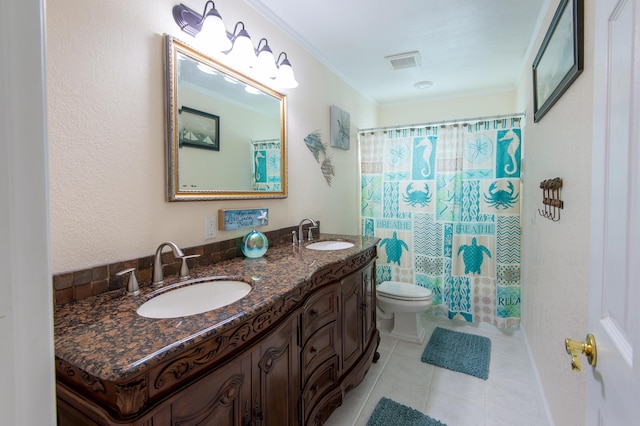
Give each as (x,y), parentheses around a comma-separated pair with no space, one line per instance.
(555,254)
(106,134)
(473,106)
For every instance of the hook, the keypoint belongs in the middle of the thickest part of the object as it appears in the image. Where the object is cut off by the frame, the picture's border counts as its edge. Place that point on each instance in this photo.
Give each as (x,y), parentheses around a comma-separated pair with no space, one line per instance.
(551,199)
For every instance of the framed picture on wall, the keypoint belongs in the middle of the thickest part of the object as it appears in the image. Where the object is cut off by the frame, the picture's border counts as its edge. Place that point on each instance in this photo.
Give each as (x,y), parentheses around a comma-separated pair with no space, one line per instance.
(340,128)
(560,58)
(198,129)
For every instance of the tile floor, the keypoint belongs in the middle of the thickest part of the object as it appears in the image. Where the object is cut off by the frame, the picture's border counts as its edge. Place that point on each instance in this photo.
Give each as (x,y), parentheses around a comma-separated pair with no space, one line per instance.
(507,398)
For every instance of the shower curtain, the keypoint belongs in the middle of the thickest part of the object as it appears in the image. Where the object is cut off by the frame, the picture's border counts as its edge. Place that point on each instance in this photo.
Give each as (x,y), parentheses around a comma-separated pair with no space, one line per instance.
(445,202)
(265,156)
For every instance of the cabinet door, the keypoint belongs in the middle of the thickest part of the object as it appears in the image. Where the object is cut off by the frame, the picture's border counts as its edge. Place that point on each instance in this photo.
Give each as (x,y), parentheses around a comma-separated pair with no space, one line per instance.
(276,377)
(219,399)
(351,319)
(369,302)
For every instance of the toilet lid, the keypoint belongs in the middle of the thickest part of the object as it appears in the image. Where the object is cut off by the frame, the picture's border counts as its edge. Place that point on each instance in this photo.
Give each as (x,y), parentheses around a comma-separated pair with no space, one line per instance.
(403,291)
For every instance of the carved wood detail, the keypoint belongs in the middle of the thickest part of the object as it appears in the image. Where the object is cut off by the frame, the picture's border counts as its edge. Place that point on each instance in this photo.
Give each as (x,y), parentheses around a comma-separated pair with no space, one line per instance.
(65,367)
(203,355)
(92,382)
(131,397)
(266,362)
(87,380)
(227,394)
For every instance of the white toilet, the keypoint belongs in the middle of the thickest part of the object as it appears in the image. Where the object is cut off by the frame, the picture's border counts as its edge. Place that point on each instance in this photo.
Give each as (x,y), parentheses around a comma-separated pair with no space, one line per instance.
(404,302)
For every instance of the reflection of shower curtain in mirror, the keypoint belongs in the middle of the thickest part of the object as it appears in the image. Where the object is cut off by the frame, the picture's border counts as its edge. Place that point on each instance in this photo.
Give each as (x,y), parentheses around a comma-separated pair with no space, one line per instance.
(445,201)
(266,165)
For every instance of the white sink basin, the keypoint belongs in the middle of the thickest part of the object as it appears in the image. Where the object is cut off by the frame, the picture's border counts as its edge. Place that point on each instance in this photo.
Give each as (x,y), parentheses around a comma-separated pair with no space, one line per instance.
(330,245)
(194,299)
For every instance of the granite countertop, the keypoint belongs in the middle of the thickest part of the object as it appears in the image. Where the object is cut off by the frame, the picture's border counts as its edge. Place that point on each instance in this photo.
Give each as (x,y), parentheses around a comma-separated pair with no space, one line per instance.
(106,338)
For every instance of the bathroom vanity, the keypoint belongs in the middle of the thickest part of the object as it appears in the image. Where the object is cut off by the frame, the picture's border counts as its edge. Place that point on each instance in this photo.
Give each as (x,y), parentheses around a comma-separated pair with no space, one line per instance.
(285,354)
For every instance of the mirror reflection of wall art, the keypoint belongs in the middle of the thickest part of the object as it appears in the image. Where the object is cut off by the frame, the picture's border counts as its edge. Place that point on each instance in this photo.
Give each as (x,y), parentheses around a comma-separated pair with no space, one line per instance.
(560,58)
(199,129)
(340,125)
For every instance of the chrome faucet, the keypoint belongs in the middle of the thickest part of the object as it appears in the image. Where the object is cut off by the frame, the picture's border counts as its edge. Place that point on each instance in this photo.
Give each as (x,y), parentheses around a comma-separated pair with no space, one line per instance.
(300,235)
(133,289)
(158,278)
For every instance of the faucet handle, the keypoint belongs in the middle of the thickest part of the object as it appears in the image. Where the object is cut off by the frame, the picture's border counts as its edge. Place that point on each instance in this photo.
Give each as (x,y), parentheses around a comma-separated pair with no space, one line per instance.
(294,239)
(132,284)
(184,268)
(310,234)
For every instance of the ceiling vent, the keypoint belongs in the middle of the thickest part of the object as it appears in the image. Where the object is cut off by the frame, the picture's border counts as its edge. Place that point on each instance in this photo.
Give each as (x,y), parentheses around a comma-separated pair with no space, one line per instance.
(404,60)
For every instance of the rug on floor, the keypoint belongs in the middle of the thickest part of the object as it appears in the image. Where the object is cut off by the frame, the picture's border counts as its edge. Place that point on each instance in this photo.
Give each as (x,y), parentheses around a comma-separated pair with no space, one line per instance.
(457,351)
(389,412)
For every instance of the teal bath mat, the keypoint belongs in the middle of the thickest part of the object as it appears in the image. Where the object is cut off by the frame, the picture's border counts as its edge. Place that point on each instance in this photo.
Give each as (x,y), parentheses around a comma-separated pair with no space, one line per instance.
(462,352)
(391,413)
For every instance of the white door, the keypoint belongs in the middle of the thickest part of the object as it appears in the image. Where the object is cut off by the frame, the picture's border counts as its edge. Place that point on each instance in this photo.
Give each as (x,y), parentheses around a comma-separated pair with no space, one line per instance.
(613,386)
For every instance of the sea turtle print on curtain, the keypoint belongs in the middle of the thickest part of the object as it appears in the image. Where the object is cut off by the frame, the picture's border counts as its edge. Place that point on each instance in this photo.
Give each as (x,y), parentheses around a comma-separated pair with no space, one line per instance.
(445,203)
(472,256)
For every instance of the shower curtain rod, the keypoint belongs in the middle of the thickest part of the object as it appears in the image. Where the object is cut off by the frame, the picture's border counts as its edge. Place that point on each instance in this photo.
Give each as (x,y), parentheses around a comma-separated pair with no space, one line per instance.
(445,123)
(265,140)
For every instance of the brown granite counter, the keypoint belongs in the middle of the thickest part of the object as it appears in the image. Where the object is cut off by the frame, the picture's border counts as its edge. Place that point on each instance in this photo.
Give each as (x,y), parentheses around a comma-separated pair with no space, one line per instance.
(104,337)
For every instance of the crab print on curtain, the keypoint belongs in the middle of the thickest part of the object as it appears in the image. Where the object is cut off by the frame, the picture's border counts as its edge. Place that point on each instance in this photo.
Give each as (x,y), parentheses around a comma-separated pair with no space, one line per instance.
(445,203)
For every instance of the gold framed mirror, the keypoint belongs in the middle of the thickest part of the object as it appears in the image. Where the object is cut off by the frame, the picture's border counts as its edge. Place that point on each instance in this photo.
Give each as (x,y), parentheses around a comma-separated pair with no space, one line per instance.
(226,133)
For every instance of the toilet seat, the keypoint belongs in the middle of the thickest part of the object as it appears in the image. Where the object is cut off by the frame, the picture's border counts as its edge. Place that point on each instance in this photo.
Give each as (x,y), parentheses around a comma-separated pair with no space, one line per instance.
(403,291)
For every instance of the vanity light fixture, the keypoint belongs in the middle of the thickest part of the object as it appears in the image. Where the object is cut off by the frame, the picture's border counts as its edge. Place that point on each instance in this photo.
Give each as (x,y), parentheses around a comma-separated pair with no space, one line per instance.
(242,53)
(237,45)
(285,77)
(266,64)
(193,24)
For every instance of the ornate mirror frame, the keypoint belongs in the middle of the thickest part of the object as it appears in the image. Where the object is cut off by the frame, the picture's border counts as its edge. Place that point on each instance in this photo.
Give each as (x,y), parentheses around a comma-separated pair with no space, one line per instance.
(177,191)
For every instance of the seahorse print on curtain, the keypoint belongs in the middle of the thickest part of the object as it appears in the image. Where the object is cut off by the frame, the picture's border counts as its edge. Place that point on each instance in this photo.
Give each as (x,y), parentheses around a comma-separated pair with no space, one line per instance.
(445,202)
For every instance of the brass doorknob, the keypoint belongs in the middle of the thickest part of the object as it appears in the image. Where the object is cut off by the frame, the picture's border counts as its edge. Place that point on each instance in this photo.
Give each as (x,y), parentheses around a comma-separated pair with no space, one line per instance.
(588,348)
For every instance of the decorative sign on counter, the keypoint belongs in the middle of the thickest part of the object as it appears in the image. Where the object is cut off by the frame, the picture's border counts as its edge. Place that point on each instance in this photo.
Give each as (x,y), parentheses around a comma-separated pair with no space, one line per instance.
(230,219)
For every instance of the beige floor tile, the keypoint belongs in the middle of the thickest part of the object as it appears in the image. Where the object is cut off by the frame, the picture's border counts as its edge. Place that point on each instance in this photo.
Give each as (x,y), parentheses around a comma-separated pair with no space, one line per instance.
(507,398)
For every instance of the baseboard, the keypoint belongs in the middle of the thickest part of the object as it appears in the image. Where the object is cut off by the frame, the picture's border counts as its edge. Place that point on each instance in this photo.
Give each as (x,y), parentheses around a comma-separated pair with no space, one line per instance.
(542,399)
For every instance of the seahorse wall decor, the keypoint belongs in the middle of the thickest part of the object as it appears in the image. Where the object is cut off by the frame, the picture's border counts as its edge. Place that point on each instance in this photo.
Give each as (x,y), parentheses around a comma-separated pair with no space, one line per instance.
(551,199)
(317,147)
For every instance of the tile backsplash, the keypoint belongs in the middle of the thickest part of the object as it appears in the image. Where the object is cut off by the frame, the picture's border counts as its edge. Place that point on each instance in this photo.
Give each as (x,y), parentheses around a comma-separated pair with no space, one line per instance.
(76,285)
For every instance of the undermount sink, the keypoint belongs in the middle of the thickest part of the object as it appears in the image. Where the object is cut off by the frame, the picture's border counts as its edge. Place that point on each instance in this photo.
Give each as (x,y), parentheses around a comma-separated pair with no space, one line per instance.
(330,245)
(194,299)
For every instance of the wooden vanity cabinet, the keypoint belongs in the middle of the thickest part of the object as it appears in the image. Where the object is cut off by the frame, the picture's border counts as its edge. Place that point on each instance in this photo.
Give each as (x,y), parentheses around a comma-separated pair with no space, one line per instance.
(222,397)
(297,373)
(358,308)
(319,341)
(253,389)
(275,378)
(357,340)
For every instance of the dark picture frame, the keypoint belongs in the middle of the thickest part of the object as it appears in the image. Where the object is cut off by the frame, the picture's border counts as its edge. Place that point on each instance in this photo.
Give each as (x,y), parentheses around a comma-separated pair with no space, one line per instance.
(560,59)
(198,129)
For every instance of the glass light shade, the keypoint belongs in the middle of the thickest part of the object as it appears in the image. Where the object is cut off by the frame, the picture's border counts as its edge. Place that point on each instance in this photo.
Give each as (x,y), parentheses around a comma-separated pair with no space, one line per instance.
(214,33)
(285,77)
(266,64)
(242,53)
